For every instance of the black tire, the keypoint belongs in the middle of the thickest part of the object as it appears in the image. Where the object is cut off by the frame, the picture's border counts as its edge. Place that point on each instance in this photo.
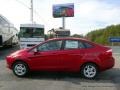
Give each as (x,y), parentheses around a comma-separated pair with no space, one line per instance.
(20,69)
(89,71)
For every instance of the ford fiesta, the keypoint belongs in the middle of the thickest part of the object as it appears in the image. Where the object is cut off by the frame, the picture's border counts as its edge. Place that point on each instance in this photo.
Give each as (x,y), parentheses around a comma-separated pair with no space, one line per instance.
(64,55)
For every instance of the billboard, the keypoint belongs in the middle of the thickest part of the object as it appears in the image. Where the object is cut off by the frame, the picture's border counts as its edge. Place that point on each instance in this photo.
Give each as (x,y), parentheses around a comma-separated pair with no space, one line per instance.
(63,10)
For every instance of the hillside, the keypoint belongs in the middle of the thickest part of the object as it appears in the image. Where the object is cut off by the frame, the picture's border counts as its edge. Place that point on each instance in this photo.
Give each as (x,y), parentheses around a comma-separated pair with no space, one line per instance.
(101,36)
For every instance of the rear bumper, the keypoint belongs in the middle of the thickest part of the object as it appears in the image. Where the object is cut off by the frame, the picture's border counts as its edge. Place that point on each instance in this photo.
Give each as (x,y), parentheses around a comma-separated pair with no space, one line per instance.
(108,64)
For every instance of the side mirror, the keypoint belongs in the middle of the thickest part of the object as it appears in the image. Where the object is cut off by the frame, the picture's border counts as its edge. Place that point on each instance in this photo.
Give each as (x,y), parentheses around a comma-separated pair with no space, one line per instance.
(35,51)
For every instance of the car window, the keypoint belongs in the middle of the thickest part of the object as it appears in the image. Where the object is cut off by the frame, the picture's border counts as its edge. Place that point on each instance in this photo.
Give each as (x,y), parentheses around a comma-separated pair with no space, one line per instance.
(81,45)
(87,45)
(52,45)
(71,44)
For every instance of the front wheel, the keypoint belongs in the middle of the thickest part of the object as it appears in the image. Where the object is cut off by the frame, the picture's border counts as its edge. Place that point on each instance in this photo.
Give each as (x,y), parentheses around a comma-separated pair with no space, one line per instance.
(89,71)
(20,69)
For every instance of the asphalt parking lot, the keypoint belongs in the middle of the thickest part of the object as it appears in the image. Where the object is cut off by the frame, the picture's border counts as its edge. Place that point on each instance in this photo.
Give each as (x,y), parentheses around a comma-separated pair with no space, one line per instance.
(108,80)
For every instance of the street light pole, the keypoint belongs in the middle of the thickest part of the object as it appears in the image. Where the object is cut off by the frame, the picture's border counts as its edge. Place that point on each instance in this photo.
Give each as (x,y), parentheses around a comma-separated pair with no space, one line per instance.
(63,22)
(31,8)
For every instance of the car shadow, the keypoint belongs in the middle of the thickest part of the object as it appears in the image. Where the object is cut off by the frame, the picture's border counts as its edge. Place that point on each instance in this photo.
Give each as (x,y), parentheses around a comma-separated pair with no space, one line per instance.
(109,76)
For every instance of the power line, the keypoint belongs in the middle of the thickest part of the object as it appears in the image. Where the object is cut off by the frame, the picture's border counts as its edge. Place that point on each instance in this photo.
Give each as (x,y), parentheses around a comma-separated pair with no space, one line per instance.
(23,4)
(39,16)
(30,8)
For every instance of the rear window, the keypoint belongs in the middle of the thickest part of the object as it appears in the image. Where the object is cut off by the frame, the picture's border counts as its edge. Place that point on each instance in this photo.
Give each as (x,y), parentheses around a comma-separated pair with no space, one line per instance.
(71,44)
(81,45)
(87,45)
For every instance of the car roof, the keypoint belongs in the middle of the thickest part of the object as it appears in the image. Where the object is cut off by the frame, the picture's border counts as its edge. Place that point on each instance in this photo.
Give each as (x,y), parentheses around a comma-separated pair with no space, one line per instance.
(68,38)
(73,38)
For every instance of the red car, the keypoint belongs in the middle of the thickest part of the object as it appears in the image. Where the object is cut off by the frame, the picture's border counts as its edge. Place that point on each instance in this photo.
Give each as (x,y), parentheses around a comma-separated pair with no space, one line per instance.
(62,54)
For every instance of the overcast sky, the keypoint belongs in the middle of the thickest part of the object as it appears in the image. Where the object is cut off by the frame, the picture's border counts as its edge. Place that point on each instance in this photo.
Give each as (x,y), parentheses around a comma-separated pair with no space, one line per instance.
(89,14)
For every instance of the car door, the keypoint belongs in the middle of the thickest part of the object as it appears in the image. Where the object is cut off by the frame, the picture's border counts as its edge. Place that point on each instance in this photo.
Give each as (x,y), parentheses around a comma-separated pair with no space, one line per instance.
(72,55)
(47,56)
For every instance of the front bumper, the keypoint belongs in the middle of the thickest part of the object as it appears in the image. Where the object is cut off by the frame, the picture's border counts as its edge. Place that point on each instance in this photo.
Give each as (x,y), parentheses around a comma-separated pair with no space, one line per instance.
(9,62)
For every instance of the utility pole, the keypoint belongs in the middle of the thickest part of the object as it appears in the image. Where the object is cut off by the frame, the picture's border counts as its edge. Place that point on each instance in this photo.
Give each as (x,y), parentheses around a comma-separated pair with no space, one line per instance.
(63,22)
(31,9)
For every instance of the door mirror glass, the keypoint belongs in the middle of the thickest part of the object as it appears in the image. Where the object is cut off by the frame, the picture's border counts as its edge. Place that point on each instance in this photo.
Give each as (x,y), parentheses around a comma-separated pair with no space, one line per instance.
(35,50)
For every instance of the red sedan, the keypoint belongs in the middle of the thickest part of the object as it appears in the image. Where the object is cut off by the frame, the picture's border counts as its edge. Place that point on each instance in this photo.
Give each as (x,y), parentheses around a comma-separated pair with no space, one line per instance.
(62,54)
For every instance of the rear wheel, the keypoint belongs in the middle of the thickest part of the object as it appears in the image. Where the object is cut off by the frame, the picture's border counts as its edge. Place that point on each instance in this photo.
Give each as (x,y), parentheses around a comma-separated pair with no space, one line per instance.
(20,69)
(89,71)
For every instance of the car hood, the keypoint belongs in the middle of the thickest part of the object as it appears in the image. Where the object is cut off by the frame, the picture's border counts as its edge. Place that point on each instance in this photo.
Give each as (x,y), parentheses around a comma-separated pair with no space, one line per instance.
(19,52)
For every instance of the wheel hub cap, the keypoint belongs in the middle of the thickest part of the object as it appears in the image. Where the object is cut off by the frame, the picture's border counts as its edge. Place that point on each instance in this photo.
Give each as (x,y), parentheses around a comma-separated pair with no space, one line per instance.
(89,71)
(20,69)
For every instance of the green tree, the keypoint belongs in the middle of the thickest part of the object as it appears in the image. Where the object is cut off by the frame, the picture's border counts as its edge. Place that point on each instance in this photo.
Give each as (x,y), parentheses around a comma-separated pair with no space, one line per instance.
(101,36)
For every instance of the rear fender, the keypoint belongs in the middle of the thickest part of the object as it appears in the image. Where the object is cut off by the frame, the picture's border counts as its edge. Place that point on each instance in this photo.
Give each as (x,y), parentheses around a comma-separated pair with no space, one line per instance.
(91,58)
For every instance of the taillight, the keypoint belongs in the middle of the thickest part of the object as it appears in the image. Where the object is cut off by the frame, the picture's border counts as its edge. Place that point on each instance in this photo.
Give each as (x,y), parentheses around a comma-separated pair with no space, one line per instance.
(109,52)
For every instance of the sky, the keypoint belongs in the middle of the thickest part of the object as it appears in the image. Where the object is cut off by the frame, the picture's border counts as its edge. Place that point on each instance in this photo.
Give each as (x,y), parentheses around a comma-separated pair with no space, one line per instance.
(88,14)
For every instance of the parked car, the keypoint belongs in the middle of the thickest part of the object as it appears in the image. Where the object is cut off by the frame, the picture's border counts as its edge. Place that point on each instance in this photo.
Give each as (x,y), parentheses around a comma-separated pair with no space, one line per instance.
(64,55)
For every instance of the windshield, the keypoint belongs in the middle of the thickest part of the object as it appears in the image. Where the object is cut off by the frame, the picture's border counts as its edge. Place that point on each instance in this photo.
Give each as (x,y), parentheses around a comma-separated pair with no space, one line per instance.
(30,32)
